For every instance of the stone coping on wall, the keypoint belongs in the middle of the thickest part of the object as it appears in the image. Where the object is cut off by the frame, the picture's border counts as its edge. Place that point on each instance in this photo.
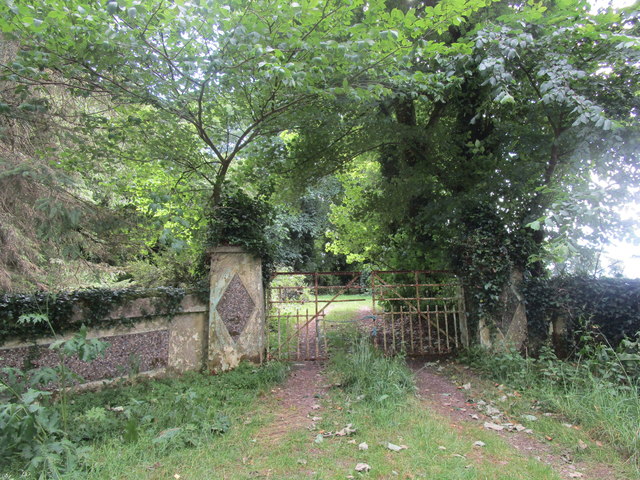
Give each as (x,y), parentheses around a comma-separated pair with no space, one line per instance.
(144,307)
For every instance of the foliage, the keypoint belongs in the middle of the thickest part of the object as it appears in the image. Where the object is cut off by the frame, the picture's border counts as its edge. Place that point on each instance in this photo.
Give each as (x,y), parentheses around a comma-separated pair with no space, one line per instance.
(181,268)
(598,390)
(172,414)
(59,309)
(301,224)
(165,415)
(606,306)
(363,371)
(353,224)
(485,255)
(495,168)
(34,428)
(528,111)
(52,235)
(246,71)
(163,120)
(242,220)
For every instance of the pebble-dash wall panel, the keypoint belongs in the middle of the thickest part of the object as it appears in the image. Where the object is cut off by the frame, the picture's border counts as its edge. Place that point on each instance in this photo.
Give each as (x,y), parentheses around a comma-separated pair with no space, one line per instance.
(145,344)
(126,354)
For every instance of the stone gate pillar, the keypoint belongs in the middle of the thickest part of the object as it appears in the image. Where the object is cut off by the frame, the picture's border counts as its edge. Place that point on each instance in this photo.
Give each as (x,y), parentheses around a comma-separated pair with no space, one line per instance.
(236,309)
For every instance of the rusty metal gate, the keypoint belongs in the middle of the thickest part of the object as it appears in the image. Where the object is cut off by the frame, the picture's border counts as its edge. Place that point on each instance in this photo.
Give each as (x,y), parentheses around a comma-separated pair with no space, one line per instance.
(417,312)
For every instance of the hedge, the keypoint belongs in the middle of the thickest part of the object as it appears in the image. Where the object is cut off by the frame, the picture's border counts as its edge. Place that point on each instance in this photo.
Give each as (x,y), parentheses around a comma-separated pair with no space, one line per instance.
(610,306)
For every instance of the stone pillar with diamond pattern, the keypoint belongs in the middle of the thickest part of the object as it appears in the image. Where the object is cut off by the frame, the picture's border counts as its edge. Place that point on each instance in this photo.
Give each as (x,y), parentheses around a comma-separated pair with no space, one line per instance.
(236,309)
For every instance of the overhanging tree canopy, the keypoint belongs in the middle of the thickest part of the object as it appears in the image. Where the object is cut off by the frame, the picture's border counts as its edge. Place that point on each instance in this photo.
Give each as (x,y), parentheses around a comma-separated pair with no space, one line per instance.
(230,71)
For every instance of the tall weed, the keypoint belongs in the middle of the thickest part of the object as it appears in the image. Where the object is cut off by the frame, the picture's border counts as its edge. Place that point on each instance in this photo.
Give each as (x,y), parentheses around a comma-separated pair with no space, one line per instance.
(364,371)
(35,423)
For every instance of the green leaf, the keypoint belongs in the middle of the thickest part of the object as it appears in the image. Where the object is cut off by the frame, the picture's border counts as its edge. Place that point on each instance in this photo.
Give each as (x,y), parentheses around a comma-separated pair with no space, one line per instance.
(131,433)
(112,7)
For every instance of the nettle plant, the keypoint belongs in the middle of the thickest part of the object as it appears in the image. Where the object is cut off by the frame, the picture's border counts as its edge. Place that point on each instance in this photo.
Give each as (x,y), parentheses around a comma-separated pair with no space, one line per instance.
(34,413)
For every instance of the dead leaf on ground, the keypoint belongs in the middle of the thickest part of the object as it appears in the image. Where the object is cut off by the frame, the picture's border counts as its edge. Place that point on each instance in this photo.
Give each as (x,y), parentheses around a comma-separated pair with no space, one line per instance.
(493,426)
(396,448)
(491,410)
(348,430)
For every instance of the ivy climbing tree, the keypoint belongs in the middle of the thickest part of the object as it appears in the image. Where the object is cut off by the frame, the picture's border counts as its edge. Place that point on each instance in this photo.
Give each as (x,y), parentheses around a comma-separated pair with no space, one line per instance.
(520,157)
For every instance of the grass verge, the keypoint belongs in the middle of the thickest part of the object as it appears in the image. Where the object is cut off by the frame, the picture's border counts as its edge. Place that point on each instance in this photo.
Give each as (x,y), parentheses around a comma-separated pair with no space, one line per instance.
(436,448)
(577,407)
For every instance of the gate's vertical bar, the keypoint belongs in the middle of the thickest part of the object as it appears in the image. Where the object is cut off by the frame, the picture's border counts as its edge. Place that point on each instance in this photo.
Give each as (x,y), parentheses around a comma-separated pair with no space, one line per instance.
(375,330)
(384,331)
(446,324)
(413,349)
(393,329)
(430,346)
(317,323)
(307,354)
(324,331)
(438,328)
(373,292)
(267,318)
(279,335)
(455,327)
(315,283)
(416,278)
(402,327)
(372,279)
(298,334)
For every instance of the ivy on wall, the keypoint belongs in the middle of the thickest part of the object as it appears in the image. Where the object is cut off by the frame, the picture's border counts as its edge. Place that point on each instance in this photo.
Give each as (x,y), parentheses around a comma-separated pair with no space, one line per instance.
(610,306)
(96,304)
(242,220)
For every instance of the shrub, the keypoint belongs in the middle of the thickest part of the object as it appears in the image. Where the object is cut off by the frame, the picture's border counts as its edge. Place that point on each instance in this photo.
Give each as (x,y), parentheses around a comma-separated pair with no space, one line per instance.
(33,427)
(611,305)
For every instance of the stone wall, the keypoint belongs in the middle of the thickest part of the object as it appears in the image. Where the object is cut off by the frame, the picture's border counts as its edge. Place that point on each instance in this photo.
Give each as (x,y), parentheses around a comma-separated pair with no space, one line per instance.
(212,336)
(151,344)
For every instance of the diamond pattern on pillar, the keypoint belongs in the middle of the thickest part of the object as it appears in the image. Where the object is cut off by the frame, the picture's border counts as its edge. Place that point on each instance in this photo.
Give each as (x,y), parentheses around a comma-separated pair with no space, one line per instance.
(235,307)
